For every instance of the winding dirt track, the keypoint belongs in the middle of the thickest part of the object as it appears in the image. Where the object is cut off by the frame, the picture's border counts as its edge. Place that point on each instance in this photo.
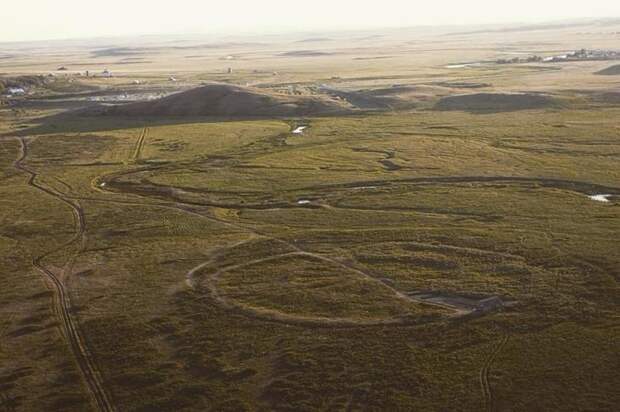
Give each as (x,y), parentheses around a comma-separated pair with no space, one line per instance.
(62,302)
(295,250)
(485,386)
(192,282)
(563,184)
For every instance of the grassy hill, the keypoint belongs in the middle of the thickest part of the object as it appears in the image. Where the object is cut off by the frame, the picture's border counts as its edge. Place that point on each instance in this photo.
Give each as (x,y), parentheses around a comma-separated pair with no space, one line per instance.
(230,101)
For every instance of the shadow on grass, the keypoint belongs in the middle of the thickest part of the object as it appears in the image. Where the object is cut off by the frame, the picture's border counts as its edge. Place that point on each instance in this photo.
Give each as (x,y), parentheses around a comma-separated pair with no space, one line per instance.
(89,121)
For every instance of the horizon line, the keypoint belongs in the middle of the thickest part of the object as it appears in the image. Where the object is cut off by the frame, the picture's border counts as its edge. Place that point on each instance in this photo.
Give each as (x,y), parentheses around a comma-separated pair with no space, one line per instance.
(280,32)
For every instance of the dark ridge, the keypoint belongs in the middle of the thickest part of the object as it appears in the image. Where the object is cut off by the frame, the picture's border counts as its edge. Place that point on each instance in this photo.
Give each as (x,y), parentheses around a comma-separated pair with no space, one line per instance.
(305,53)
(495,102)
(222,100)
(610,71)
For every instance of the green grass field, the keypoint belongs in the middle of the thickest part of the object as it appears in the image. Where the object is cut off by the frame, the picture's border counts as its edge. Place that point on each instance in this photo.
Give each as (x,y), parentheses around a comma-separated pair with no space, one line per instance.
(201,281)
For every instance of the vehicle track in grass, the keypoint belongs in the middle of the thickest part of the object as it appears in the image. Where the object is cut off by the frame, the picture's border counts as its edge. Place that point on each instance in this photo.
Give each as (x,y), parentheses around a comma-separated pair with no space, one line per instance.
(137,150)
(483,376)
(194,283)
(62,302)
(294,250)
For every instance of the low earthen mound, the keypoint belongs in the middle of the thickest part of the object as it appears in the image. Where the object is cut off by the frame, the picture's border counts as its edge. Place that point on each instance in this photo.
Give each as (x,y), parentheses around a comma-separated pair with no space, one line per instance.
(222,100)
(495,102)
(610,71)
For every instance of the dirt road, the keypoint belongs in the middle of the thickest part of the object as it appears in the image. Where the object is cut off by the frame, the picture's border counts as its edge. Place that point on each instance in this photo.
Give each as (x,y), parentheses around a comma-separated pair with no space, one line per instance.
(62,302)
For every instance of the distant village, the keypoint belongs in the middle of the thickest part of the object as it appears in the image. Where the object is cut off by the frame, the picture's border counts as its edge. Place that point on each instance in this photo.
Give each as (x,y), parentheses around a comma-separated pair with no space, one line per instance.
(577,55)
(24,85)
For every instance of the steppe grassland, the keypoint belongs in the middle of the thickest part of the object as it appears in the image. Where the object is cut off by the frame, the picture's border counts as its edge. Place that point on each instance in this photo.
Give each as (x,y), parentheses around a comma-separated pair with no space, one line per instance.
(174,322)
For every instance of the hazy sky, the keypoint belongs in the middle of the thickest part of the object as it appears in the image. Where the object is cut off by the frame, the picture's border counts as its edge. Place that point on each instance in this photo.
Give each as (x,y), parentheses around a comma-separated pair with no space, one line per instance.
(47,19)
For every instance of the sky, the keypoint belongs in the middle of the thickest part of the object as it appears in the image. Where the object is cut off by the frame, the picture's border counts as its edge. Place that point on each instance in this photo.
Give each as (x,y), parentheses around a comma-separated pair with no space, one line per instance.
(25,20)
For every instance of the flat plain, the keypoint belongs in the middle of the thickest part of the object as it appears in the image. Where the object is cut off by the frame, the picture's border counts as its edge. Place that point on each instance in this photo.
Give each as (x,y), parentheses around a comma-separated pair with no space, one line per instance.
(429,230)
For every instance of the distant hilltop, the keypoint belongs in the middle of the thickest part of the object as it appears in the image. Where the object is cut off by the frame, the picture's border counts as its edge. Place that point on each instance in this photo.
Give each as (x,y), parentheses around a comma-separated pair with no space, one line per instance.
(222,100)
